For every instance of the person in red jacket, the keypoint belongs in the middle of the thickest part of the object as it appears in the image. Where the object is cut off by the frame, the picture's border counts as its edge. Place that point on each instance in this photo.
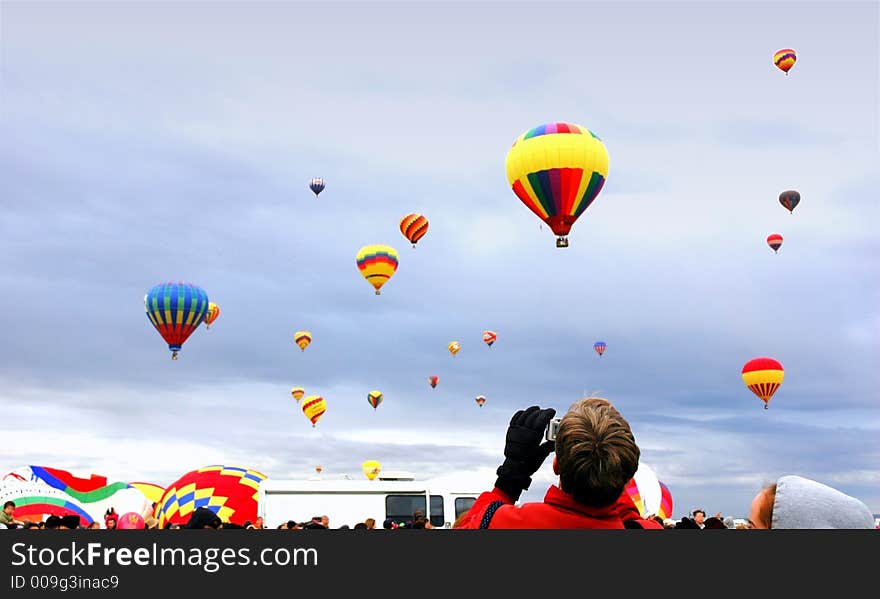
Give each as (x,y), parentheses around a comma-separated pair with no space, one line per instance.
(596,456)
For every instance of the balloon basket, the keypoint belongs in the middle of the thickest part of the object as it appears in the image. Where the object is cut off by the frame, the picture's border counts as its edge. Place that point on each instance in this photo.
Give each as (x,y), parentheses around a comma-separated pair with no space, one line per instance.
(174,355)
(562,242)
(378,292)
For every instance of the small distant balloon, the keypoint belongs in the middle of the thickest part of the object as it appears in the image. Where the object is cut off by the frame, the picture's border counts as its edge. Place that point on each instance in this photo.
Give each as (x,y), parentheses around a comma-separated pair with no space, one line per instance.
(297,393)
(374,398)
(480,399)
(212,314)
(314,407)
(784,59)
(600,346)
(489,337)
(790,199)
(763,376)
(774,241)
(317,185)
(302,339)
(414,226)
(433,380)
(454,347)
(371,469)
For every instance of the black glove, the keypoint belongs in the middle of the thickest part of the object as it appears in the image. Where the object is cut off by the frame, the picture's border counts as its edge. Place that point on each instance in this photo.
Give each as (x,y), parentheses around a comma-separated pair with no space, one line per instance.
(524,453)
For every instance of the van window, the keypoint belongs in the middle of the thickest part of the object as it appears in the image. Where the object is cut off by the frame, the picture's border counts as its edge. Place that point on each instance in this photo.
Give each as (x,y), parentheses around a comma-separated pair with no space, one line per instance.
(463,504)
(437,511)
(400,508)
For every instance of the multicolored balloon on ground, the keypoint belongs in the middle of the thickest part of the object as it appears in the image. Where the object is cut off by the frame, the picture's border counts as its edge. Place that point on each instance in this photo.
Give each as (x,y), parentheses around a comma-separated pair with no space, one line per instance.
(774,240)
(314,407)
(784,59)
(377,264)
(649,494)
(176,310)
(414,226)
(489,337)
(600,346)
(763,376)
(454,347)
(371,469)
(790,199)
(557,170)
(433,380)
(317,185)
(302,339)
(297,393)
(212,314)
(480,399)
(374,398)
(228,491)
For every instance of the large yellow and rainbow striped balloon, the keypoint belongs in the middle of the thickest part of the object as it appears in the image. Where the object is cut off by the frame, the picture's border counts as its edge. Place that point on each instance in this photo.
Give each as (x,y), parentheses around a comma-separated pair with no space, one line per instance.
(557,170)
(377,264)
(763,376)
(314,407)
(784,59)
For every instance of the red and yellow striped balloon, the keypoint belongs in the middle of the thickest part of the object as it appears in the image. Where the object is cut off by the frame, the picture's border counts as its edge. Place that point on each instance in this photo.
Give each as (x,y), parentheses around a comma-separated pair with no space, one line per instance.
(377,264)
(314,407)
(302,339)
(784,59)
(774,240)
(763,376)
(414,226)
(297,393)
(212,314)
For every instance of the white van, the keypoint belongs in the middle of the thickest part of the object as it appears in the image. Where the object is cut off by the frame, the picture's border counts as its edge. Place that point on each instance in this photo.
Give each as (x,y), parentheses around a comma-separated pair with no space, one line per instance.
(346,501)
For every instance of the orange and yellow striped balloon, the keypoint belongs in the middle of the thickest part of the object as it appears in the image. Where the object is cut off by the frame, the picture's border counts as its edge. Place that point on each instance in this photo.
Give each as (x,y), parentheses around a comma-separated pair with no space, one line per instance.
(414,226)
(454,347)
(763,376)
(377,264)
(297,393)
(212,314)
(784,59)
(314,407)
(302,339)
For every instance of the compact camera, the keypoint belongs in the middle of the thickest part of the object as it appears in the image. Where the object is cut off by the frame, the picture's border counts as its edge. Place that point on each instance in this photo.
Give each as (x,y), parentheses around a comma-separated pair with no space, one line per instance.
(552,427)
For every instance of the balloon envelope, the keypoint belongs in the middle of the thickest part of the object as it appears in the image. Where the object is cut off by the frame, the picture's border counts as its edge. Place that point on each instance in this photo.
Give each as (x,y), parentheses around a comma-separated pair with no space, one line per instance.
(212,314)
(480,400)
(297,393)
(371,469)
(790,199)
(784,59)
(557,170)
(377,264)
(433,380)
(316,185)
(774,241)
(763,376)
(454,347)
(176,310)
(649,494)
(229,491)
(314,407)
(414,226)
(302,339)
(131,520)
(374,398)
(600,346)
(489,337)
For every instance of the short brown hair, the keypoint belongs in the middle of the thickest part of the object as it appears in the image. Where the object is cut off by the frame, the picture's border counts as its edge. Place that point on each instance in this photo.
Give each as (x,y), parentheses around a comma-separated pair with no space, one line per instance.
(596,452)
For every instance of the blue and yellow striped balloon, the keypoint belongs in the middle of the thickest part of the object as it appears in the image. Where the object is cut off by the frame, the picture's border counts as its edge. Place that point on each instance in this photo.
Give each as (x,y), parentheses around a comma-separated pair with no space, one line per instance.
(176,310)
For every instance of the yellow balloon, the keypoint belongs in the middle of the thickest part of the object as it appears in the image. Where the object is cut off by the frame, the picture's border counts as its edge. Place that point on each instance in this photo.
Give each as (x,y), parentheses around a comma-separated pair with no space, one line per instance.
(297,393)
(377,264)
(302,338)
(314,407)
(454,347)
(371,469)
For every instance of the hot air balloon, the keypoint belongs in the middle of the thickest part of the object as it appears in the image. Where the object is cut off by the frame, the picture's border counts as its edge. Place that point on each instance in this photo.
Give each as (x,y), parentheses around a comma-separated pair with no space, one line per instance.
(302,339)
(374,398)
(557,170)
(649,494)
(600,346)
(131,521)
(297,393)
(790,199)
(414,226)
(454,347)
(480,400)
(433,380)
(377,264)
(212,314)
(229,491)
(763,376)
(784,59)
(314,407)
(176,310)
(489,337)
(317,185)
(774,241)
(371,469)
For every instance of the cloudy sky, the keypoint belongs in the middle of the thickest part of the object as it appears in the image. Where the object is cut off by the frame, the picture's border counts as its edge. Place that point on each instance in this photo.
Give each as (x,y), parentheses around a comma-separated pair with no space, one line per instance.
(141,143)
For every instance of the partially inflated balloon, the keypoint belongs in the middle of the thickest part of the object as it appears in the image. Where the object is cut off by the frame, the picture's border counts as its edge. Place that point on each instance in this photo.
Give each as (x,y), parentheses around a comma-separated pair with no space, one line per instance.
(600,346)
(302,339)
(454,347)
(649,495)
(414,226)
(371,469)
(557,170)
(212,314)
(763,376)
(433,380)
(314,407)
(784,59)
(489,337)
(131,520)
(480,400)
(176,310)
(374,398)
(790,199)
(317,185)
(377,264)
(297,393)
(774,241)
